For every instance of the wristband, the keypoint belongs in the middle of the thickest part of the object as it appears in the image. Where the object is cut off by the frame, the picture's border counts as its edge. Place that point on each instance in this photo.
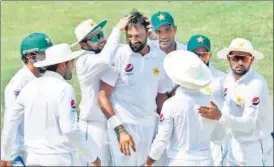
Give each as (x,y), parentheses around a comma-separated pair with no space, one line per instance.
(114,121)
(119,131)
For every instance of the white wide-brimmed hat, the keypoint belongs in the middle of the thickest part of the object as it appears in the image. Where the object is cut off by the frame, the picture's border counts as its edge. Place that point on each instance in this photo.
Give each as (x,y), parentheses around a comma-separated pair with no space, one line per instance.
(58,54)
(240,44)
(186,69)
(85,28)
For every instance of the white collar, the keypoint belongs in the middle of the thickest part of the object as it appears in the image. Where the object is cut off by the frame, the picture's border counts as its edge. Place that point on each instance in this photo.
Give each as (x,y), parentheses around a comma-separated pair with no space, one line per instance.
(54,75)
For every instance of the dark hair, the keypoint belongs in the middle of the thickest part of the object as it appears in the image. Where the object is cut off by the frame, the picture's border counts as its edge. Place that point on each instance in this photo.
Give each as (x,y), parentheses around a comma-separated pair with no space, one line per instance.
(54,67)
(137,18)
(25,59)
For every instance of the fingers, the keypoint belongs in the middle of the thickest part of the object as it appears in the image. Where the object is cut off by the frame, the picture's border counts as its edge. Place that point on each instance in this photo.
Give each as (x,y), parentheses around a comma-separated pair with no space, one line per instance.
(131,143)
(213,104)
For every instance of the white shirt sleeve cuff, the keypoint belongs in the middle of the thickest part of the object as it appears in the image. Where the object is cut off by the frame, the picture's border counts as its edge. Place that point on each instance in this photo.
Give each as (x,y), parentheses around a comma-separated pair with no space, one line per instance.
(155,155)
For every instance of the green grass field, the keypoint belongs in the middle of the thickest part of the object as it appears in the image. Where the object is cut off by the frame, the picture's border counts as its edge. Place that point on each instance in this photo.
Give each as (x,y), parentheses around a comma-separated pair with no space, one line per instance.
(220,21)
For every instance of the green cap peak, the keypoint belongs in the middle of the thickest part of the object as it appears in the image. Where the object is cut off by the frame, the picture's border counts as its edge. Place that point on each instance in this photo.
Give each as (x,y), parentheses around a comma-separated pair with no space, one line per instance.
(160,18)
(198,41)
(35,42)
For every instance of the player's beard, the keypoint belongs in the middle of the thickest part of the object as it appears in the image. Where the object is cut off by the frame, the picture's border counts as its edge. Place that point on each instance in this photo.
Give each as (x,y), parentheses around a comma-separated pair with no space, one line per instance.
(95,50)
(67,74)
(138,48)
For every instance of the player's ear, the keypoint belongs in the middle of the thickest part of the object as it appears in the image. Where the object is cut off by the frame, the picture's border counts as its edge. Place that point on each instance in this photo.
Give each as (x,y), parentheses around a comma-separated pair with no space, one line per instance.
(175,29)
(83,45)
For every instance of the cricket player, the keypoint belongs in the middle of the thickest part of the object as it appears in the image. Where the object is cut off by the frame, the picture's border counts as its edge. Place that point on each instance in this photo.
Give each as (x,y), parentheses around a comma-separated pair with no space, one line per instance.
(90,68)
(201,46)
(32,49)
(162,35)
(245,109)
(128,92)
(164,31)
(188,133)
(48,107)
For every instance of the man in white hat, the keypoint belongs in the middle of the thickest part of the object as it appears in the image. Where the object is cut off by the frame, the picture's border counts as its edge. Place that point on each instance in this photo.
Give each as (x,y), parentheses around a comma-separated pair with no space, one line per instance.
(48,107)
(128,93)
(32,49)
(90,68)
(245,110)
(188,133)
(201,46)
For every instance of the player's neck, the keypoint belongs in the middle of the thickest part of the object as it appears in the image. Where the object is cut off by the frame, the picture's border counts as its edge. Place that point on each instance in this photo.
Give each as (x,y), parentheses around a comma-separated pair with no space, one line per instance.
(145,50)
(169,49)
(34,70)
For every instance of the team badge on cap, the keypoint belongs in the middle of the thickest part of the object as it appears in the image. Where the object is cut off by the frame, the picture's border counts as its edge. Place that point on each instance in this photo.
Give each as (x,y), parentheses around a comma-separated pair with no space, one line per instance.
(161,17)
(200,39)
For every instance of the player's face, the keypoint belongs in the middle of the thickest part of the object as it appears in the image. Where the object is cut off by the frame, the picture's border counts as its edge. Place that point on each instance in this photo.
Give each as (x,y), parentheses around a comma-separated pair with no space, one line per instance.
(68,70)
(96,42)
(240,62)
(136,37)
(203,54)
(166,34)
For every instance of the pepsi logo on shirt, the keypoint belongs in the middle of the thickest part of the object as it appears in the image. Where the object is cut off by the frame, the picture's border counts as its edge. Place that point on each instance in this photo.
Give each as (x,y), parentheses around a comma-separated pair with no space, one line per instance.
(129,69)
(162,117)
(73,104)
(225,92)
(255,101)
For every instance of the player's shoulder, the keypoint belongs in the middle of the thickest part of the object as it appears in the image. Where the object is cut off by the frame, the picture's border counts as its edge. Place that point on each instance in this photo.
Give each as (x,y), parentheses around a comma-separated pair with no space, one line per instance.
(175,102)
(180,46)
(18,81)
(121,52)
(257,80)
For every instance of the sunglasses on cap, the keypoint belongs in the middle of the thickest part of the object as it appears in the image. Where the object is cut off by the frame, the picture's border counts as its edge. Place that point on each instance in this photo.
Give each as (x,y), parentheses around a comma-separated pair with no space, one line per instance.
(244,58)
(96,37)
(204,55)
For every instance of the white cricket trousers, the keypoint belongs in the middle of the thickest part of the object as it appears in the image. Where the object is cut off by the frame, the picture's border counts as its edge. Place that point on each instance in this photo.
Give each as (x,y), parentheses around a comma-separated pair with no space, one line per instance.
(95,133)
(163,159)
(180,162)
(61,159)
(142,137)
(244,154)
(216,154)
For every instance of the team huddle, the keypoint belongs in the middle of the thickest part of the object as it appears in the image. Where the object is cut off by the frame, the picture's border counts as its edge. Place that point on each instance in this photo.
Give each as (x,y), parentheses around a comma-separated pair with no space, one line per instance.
(149,102)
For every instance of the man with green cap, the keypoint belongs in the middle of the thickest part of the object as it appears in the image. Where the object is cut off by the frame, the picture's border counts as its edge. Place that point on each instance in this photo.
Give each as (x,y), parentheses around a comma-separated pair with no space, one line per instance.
(32,49)
(162,36)
(164,32)
(201,46)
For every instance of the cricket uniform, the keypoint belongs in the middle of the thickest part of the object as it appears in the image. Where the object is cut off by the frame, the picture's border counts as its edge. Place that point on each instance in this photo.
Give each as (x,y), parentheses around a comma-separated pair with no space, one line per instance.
(136,80)
(245,112)
(13,88)
(90,67)
(188,133)
(52,136)
(215,92)
(155,43)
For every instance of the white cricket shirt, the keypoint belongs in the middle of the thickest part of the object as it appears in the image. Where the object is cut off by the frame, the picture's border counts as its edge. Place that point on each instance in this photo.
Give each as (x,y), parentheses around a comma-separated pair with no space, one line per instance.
(137,80)
(90,68)
(12,90)
(48,106)
(245,109)
(184,129)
